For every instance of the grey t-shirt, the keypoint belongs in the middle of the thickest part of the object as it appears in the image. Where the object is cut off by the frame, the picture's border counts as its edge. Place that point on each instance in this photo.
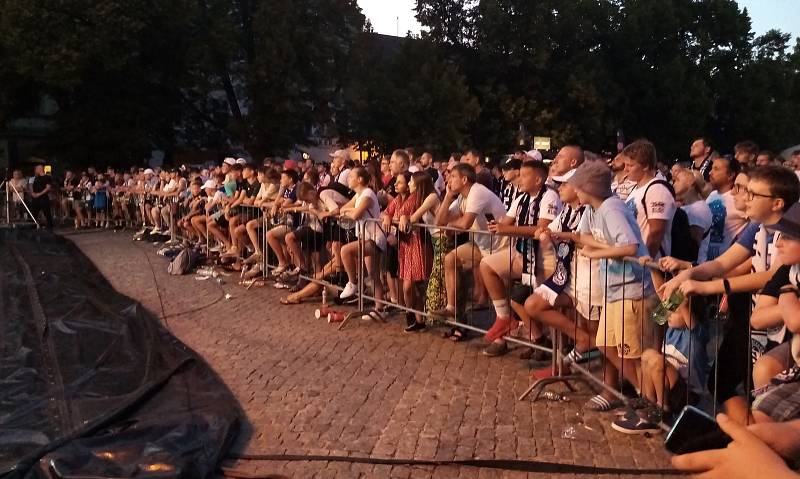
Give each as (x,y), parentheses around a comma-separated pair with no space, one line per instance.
(614,224)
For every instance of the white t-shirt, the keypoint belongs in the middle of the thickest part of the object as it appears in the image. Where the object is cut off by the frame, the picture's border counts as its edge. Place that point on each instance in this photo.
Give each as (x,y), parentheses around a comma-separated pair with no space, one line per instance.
(481,202)
(549,207)
(727,223)
(660,206)
(171,186)
(370,229)
(699,214)
(343,176)
(622,188)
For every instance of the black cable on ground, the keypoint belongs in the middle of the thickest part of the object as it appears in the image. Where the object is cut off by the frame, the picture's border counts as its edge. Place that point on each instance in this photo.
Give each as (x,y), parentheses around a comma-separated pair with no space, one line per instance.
(504,464)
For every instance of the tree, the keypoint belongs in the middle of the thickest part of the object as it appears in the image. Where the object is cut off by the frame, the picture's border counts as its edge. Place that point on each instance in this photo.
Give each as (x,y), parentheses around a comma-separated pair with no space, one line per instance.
(403,93)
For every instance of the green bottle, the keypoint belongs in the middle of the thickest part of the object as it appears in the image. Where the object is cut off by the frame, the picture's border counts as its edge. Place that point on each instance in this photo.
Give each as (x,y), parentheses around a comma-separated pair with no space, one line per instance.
(660,315)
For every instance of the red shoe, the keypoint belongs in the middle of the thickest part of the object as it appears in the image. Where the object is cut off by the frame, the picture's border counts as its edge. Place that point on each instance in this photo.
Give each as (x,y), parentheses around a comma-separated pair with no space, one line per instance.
(500,328)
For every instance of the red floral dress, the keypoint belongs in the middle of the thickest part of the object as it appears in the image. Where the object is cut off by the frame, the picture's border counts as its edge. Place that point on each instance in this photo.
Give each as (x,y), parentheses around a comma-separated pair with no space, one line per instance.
(415,254)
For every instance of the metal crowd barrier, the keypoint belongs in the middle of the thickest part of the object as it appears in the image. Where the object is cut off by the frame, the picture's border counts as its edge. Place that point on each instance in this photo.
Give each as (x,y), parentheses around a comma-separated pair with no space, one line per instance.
(318,244)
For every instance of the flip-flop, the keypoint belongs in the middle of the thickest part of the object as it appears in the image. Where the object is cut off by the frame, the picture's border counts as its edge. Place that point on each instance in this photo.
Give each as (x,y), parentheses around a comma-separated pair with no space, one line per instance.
(600,404)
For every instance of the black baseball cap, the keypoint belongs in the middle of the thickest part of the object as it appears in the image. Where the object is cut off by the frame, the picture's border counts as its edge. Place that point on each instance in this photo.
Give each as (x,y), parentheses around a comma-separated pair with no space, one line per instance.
(789,224)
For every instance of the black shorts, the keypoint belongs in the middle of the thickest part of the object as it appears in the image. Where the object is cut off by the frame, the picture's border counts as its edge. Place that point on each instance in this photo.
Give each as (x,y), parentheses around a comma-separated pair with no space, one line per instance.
(334,232)
(392,261)
(309,239)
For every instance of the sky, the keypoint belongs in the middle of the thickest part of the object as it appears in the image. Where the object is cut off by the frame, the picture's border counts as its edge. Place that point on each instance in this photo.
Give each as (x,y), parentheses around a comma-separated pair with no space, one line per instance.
(392,16)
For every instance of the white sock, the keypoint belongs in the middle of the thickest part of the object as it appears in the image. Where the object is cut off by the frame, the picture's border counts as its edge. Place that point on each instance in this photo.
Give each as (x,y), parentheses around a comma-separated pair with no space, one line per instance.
(502,308)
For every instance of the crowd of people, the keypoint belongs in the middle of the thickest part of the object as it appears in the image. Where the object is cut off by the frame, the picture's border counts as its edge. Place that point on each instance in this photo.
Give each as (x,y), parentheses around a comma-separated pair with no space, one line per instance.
(581,244)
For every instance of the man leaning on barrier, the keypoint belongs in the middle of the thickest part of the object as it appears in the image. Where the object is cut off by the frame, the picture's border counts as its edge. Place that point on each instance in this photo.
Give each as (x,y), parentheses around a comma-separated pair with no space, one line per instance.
(470,206)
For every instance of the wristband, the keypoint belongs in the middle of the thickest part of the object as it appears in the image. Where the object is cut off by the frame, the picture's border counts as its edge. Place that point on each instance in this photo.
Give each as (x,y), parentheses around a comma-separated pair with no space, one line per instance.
(727,286)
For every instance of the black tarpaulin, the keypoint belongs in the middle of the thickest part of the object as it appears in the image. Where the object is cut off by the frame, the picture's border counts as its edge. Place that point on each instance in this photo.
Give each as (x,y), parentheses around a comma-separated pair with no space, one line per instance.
(91,385)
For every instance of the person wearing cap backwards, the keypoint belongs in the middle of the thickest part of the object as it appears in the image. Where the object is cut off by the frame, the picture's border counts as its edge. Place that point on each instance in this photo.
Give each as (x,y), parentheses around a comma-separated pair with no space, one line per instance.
(339,171)
(607,234)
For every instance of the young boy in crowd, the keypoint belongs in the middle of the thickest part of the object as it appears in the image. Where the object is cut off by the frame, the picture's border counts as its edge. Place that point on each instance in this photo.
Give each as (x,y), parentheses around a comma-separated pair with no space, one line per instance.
(528,214)
(771,190)
(609,232)
(778,398)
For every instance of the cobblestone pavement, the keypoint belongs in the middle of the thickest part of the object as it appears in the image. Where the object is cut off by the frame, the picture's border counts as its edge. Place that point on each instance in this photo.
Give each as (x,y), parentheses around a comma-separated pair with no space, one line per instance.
(370,389)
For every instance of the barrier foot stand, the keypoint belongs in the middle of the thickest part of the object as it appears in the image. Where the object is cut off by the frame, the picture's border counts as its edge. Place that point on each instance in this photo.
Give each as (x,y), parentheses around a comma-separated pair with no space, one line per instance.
(373,314)
(540,384)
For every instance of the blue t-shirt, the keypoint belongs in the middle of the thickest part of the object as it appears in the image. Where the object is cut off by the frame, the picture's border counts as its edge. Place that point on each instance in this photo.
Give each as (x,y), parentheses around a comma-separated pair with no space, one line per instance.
(614,224)
(100,199)
(291,194)
(685,350)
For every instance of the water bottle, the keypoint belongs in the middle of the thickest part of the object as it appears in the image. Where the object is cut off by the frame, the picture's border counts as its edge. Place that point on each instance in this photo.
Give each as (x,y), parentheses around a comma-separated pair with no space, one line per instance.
(324,296)
(660,315)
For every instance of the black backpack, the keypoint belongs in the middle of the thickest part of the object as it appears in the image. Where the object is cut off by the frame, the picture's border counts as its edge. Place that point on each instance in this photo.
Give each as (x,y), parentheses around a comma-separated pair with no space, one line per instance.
(683,246)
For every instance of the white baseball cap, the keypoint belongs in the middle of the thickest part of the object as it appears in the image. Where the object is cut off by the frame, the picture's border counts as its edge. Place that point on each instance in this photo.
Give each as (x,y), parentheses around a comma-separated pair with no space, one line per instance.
(563,178)
(340,153)
(210,184)
(241,161)
(535,154)
(149,171)
(229,161)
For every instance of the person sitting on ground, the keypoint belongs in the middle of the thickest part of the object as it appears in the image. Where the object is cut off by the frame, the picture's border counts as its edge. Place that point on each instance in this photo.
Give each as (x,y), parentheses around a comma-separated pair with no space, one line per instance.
(529,215)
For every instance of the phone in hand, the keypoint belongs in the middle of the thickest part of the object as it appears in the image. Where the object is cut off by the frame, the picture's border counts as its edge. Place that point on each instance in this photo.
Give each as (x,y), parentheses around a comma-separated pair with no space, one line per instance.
(489,217)
(695,431)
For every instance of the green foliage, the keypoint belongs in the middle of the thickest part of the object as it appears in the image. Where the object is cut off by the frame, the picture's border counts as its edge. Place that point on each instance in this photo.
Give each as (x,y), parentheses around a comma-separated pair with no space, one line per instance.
(132,75)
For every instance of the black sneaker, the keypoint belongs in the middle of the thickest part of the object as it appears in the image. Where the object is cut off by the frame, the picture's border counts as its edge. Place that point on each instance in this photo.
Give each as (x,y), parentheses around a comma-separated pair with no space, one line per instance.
(496,349)
(631,423)
(415,327)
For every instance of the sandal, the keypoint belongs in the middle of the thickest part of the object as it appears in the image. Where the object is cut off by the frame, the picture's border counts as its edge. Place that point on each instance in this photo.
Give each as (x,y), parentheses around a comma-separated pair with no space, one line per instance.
(455,335)
(287,301)
(600,404)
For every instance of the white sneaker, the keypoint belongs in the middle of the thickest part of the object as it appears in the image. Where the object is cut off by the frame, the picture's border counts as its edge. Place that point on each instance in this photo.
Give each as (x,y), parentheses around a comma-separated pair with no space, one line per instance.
(156,231)
(349,290)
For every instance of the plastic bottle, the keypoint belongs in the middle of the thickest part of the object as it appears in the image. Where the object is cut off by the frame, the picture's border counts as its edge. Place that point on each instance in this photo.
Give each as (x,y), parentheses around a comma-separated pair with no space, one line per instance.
(660,315)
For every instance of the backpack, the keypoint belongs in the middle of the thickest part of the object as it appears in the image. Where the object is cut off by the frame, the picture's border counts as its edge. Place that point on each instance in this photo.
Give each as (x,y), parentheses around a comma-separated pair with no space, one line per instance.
(339,188)
(183,262)
(683,246)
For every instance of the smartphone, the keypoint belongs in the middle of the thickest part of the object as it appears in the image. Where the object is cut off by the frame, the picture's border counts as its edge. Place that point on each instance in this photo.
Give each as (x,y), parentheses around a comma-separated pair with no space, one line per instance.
(489,217)
(695,431)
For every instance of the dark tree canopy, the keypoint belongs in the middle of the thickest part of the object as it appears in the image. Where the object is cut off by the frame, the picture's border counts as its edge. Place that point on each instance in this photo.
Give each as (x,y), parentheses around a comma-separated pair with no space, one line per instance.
(266,75)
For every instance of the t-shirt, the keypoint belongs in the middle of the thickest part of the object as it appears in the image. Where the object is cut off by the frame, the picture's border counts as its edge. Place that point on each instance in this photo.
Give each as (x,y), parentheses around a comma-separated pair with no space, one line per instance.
(778,281)
(343,176)
(481,201)
(484,177)
(760,243)
(18,190)
(622,188)
(252,189)
(332,199)
(614,224)
(660,206)
(371,230)
(549,207)
(40,183)
(509,193)
(685,350)
(727,222)
(699,215)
